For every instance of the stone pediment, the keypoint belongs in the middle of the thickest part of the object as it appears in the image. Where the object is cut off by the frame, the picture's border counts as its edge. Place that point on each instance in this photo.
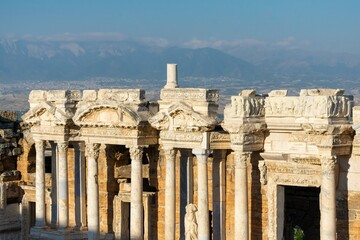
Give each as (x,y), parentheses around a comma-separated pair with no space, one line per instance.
(46,114)
(107,115)
(181,117)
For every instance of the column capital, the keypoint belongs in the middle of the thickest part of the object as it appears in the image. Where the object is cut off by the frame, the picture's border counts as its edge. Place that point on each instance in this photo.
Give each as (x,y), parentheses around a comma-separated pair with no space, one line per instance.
(200,151)
(62,145)
(136,153)
(241,159)
(169,152)
(92,150)
(328,164)
(39,145)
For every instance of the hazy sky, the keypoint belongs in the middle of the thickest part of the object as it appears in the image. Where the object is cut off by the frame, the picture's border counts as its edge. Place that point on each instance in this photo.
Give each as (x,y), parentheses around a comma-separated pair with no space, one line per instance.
(310,24)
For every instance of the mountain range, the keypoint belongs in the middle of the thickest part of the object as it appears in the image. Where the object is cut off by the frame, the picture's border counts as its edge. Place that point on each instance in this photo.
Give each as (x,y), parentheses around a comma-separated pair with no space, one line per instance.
(80,60)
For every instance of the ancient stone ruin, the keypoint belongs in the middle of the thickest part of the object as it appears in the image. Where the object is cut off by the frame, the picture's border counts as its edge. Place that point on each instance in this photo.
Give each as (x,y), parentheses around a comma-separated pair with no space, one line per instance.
(108,164)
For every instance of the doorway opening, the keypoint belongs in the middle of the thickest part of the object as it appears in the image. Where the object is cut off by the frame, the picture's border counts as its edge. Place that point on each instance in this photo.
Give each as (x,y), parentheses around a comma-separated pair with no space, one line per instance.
(302,212)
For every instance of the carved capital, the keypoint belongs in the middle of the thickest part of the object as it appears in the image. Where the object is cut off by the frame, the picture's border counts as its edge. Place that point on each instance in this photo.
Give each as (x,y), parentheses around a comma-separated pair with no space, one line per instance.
(62,146)
(263,172)
(136,153)
(241,159)
(170,153)
(328,164)
(92,150)
(39,145)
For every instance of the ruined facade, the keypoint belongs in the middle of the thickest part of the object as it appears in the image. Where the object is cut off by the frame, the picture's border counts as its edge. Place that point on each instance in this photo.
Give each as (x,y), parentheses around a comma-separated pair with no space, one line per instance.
(108,164)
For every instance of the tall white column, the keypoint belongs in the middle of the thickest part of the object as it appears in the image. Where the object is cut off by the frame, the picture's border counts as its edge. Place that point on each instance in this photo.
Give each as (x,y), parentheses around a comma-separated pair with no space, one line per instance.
(203,201)
(170,194)
(136,205)
(328,199)
(241,196)
(219,194)
(63,185)
(40,183)
(92,154)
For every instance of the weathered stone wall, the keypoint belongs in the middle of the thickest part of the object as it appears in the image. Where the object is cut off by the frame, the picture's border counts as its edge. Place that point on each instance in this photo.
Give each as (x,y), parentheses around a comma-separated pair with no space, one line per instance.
(10,192)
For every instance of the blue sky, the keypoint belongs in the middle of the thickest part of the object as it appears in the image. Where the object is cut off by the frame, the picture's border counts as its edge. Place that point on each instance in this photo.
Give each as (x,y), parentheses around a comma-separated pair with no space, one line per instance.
(310,24)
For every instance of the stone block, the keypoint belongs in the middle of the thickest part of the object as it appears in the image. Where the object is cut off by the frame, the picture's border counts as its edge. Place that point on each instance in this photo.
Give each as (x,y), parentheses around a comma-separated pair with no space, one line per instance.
(7,116)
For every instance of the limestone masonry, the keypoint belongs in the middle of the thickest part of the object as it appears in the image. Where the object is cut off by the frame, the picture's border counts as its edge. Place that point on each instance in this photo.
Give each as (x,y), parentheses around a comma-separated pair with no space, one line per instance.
(108,164)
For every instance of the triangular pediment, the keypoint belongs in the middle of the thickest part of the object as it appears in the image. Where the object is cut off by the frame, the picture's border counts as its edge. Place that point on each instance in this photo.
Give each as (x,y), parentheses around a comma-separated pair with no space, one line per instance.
(181,117)
(107,116)
(46,114)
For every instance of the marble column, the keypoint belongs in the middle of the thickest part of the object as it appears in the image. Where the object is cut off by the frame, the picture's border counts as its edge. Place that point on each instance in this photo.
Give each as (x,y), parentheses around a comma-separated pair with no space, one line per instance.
(136,205)
(40,183)
(219,172)
(63,198)
(328,199)
(241,196)
(170,154)
(92,154)
(54,185)
(203,201)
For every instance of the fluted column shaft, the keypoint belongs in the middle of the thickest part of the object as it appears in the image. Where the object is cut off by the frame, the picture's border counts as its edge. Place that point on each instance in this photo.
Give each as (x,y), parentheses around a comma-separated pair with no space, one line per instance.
(241,197)
(92,154)
(328,199)
(63,185)
(170,194)
(136,205)
(203,201)
(40,183)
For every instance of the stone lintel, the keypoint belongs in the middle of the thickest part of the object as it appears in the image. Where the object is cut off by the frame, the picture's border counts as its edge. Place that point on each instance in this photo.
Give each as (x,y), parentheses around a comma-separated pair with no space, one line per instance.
(189,94)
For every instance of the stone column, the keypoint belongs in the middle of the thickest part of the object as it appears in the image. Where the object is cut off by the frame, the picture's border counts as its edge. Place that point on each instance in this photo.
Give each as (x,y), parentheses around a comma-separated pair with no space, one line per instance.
(203,201)
(92,154)
(170,194)
(63,198)
(241,196)
(40,183)
(328,199)
(136,205)
(54,188)
(219,193)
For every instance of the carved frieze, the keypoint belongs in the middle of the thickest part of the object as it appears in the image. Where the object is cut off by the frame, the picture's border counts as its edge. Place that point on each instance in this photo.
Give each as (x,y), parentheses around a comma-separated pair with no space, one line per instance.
(190,94)
(247,104)
(307,106)
(179,136)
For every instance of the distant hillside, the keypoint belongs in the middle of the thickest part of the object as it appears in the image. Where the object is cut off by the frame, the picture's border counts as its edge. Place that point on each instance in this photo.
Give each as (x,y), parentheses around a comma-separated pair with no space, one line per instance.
(60,61)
